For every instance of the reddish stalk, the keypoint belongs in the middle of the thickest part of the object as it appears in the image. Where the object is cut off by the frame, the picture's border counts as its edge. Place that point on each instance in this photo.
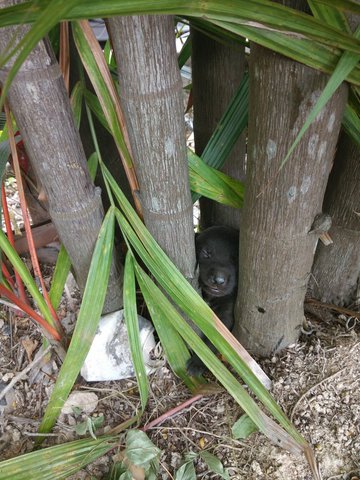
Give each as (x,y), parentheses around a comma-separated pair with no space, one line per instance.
(171,412)
(29,311)
(7,275)
(32,249)
(10,235)
(104,69)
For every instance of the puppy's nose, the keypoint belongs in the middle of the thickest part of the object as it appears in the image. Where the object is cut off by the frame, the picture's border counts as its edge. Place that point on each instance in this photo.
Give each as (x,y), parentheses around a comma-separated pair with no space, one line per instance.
(219,279)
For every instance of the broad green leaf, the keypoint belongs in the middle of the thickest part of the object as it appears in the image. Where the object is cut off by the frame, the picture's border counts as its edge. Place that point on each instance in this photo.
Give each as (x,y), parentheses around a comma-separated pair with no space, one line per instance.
(58,462)
(87,322)
(186,472)
(26,277)
(132,325)
(61,272)
(140,450)
(243,427)
(214,464)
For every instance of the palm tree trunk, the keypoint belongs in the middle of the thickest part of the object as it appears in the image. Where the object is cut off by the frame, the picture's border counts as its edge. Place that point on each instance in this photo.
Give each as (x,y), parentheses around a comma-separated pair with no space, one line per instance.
(336,269)
(276,250)
(217,69)
(39,102)
(152,98)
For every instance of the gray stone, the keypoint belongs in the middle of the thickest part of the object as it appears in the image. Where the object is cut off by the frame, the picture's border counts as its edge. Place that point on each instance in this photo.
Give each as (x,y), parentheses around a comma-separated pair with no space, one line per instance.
(109,357)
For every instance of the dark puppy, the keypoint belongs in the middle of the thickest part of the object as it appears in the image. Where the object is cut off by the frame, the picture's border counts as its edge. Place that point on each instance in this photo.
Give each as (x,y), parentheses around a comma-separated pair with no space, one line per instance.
(217,253)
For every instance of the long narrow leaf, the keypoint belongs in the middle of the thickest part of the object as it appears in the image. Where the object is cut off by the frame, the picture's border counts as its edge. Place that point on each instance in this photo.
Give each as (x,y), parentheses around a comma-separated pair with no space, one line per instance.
(132,325)
(257,13)
(192,304)
(88,319)
(175,349)
(204,180)
(49,17)
(26,277)
(104,88)
(229,128)
(303,50)
(346,64)
(345,5)
(211,183)
(185,52)
(60,275)
(58,462)
(330,15)
(76,102)
(351,123)
(222,141)
(265,424)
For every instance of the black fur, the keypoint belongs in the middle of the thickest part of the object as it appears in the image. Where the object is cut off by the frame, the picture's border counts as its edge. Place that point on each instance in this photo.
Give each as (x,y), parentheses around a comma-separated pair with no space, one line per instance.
(217,253)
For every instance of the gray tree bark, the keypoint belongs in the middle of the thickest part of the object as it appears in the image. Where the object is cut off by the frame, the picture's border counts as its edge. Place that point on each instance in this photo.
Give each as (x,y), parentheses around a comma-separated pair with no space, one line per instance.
(276,250)
(217,69)
(39,102)
(336,269)
(151,97)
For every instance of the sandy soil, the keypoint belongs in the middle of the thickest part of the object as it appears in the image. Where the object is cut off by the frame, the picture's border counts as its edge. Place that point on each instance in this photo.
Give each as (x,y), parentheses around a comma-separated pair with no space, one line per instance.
(316,382)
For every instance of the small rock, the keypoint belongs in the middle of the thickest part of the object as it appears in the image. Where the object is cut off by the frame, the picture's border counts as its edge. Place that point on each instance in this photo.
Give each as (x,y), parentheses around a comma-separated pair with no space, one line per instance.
(85,401)
(16,435)
(109,357)
(8,376)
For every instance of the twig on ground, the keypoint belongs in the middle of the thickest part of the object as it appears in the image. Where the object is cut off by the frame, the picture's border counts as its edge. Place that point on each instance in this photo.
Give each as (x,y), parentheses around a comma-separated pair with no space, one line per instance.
(172,412)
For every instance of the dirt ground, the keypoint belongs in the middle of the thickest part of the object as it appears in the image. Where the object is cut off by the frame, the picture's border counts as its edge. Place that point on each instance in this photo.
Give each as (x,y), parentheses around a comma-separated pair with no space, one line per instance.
(316,382)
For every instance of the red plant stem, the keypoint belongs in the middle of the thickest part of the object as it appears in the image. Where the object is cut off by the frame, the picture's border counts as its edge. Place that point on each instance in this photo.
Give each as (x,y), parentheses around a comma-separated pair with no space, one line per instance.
(171,412)
(10,235)
(7,275)
(29,311)
(32,249)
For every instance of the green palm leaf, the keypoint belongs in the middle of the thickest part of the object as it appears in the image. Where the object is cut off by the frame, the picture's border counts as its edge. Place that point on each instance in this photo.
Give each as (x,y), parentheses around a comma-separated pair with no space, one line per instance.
(89,315)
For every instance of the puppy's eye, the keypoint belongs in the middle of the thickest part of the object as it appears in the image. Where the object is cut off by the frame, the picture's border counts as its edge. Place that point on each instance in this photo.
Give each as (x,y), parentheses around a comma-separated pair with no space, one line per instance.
(205,253)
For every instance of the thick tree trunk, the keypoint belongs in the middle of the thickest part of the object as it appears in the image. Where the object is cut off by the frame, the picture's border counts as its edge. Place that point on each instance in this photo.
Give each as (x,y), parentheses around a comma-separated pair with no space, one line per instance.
(276,250)
(336,268)
(151,96)
(39,102)
(217,70)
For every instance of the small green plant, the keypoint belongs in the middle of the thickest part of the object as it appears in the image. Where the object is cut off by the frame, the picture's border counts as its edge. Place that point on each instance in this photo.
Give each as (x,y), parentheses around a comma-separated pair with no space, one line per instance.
(141,460)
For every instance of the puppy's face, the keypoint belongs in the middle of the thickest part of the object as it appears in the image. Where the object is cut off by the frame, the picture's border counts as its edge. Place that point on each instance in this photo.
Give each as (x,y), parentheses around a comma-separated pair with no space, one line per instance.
(217,252)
